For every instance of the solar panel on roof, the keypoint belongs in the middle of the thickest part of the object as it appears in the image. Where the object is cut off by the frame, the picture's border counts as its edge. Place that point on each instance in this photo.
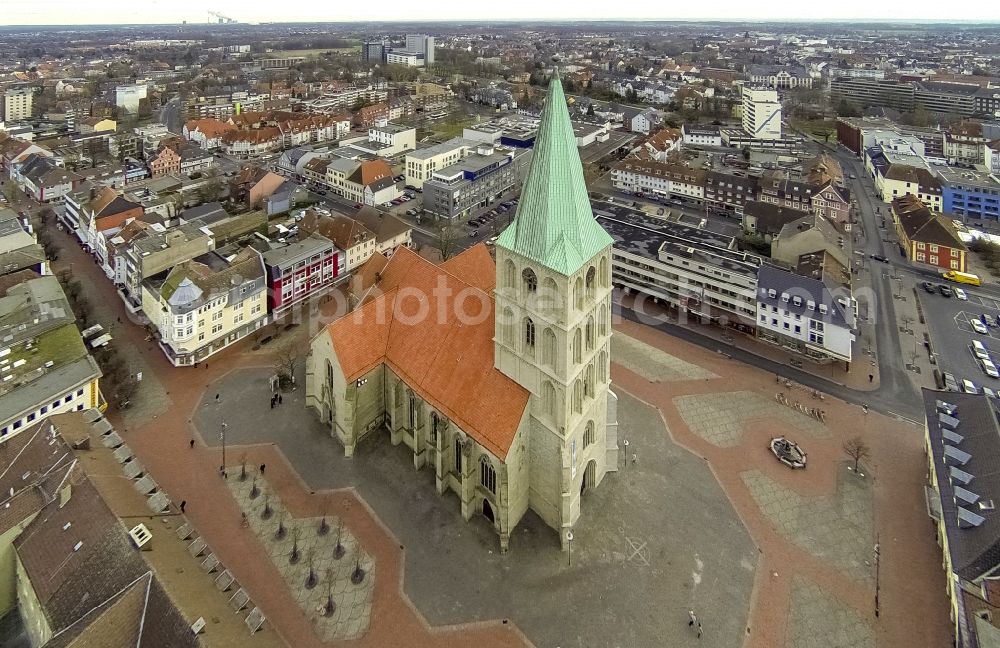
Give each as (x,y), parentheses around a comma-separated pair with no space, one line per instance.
(967,518)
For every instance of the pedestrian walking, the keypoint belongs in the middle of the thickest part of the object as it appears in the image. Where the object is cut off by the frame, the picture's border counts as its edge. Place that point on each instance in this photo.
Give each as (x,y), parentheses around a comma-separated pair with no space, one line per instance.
(262,469)
(635,458)
(183,504)
(192,444)
(279,399)
(273,401)
(692,618)
(871,378)
(217,398)
(699,630)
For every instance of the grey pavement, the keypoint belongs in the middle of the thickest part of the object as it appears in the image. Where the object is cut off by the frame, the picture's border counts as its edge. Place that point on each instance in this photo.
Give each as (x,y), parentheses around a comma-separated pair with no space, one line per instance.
(951,334)
(816,619)
(654,540)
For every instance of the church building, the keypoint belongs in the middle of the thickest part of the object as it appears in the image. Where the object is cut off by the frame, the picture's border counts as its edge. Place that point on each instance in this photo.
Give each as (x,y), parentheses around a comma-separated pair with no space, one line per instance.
(496,375)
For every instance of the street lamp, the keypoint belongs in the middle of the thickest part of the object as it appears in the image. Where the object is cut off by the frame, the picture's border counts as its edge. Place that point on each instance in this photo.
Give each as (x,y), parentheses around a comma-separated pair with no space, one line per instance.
(626,453)
(222,437)
(877,553)
(569,543)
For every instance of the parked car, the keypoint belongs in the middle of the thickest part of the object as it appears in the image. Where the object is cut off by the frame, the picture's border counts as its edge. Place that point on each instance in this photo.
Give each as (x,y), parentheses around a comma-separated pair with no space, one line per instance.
(969,387)
(979,327)
(979,350)
(928,286)
(960,294)
(989,392)
(473,233)
(988,320)
(989,368)
(944,290)
(880,257)
(357,205)
(950,383)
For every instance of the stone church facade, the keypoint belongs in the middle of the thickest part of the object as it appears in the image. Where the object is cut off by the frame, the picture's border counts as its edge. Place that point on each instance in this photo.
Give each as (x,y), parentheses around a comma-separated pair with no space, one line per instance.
(496,375)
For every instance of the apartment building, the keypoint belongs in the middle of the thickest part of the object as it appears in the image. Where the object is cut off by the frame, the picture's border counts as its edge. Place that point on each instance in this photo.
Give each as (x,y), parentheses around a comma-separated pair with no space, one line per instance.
(155,251)
(729,191)
(928,238)
(200,307)
(420,164)
(701,135)
(45,364)
(421,44)
(298,270)
(392,139)
(690,268)
(44,180)
(804,316)
(369,183)
(356,241)
(969,193)
(476,181)
(207,133)
(17,104)
(901,174)
(778,77)
(662,179)
(761,113)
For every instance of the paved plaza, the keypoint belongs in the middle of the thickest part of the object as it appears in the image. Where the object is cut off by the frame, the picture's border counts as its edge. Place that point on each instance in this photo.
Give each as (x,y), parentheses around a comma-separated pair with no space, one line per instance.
(818,620)
(655,539)
(721,418)
(326,568)
(652,363)
(837,527)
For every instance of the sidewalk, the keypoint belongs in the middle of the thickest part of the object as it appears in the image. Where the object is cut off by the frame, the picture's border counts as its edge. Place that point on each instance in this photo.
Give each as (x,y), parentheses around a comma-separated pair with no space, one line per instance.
(856,378)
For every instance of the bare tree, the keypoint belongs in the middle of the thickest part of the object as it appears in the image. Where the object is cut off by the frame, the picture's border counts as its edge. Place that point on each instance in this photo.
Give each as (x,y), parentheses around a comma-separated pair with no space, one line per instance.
(447,235)
(285,360)
(857,450)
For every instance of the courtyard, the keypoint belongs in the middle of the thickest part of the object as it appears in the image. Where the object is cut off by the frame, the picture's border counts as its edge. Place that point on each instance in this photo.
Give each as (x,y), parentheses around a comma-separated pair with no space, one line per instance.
(656,539)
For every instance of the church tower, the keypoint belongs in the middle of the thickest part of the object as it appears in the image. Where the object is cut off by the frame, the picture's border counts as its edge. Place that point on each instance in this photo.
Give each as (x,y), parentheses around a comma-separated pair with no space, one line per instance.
(553,322)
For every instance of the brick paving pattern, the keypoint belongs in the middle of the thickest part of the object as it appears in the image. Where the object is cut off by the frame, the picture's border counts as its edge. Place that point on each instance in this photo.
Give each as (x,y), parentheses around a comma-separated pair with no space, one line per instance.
(818,620)
(298,545)
(815,527)
(837,527)
(720,418)
(652,363)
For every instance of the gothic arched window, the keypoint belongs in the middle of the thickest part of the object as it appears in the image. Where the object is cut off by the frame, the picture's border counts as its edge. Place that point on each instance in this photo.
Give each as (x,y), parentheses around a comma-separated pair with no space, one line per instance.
(577,346)
(529,334)
(487,474)
(529,280)
(588,435)
(548,398)
(591,283)
(548,347)
(507,325)
(509,272)
(604,272)
(578,293)
(578,396)
(590,333)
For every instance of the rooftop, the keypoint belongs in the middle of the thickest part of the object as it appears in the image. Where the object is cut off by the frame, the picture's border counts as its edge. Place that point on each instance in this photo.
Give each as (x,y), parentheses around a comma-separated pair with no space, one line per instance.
(964,445)
(439,149)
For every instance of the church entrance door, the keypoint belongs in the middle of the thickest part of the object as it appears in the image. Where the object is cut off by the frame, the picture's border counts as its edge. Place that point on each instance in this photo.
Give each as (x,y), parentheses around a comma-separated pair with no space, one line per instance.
(488,511)
(589,476)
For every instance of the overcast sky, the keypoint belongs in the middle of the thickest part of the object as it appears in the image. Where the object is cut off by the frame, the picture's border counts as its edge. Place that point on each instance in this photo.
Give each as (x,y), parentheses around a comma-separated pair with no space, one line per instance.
(34,12)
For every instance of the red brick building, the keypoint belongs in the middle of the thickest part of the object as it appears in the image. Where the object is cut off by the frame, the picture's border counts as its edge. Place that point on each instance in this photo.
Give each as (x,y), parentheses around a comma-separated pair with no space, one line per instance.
(165,161)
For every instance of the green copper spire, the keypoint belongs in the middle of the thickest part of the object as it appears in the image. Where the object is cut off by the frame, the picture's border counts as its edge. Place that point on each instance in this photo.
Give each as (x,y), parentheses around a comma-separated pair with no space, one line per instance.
(554,225)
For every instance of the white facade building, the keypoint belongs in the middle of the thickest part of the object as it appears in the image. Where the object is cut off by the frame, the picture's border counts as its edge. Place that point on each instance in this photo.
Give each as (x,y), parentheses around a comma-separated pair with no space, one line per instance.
(801,313)
(128,96)
(761,114)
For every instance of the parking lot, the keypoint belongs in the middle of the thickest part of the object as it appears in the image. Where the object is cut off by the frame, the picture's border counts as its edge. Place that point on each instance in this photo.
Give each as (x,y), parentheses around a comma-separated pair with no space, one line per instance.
(952,333)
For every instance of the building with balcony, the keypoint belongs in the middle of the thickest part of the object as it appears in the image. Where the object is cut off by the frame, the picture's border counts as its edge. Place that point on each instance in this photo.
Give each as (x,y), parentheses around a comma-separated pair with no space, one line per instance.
(297,271)
(697,271)
(200,307)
